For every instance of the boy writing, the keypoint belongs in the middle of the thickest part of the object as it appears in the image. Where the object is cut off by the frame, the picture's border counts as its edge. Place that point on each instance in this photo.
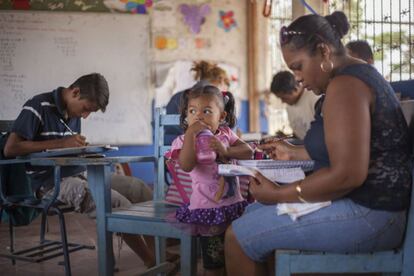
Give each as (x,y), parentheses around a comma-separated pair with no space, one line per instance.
(53,120)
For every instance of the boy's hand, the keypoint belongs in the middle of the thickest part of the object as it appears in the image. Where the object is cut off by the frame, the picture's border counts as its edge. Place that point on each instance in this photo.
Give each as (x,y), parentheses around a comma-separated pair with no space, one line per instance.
(216,145)
(74,141)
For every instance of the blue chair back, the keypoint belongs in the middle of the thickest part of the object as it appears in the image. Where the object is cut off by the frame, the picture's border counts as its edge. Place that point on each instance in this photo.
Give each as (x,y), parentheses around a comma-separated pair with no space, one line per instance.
(161,121)
(406,88)
(156,218)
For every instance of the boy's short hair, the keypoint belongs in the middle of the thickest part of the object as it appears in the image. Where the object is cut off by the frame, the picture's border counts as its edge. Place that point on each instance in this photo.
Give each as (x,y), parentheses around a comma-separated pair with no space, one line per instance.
(94,88)
(361,48)
(283,82)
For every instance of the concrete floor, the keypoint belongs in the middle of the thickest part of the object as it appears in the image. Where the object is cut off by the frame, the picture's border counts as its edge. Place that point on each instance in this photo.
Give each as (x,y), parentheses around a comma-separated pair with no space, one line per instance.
(80,229)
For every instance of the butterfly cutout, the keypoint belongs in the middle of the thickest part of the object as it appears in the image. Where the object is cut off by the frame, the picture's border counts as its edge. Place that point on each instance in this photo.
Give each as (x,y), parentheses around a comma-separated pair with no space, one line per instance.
(194,15)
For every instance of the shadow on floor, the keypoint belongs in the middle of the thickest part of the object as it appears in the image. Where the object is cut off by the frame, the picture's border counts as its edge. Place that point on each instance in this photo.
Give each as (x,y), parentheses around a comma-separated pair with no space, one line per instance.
(80,229)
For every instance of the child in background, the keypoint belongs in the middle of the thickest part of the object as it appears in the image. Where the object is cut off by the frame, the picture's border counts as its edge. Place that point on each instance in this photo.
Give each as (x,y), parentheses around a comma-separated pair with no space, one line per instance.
(215,201)
(300,102)
(360,49)
(203,71)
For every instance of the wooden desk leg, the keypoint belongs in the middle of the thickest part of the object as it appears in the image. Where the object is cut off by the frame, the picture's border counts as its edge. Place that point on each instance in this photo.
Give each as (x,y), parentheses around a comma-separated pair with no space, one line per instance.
(99,182)
(188,260)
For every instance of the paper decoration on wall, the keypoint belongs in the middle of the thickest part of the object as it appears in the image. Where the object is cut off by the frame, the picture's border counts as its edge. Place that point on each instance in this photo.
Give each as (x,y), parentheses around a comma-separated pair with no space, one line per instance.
(133,6)
(195,15)
(60,5)
(201,43)
(162,6)
(163,42)
(138,6)
(226,20)
(21,4)
(164,16)
(55,6)
(82,5)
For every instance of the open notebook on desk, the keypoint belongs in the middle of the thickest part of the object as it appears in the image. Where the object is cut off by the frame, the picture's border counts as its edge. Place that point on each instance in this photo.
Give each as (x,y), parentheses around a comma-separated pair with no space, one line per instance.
(86,151)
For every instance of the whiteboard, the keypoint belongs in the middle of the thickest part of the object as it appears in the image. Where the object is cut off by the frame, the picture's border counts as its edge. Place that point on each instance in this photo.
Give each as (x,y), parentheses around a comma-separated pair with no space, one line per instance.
(40,51)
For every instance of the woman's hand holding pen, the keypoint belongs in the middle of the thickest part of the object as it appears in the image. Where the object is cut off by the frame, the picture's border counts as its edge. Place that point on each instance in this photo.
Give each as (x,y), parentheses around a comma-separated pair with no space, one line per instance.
(278,149)
(75,140)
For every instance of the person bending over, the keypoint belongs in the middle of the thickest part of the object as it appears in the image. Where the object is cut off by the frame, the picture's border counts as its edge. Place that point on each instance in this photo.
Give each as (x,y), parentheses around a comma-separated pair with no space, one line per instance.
(53,120)
(300,101)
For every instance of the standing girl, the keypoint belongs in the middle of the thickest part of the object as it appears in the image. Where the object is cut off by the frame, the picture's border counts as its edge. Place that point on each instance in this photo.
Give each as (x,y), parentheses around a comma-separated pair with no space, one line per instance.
(215,201)
(203,71)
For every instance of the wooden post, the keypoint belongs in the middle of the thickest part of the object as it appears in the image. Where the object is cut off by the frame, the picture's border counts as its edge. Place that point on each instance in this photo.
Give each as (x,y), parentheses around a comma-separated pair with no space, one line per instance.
(252,92)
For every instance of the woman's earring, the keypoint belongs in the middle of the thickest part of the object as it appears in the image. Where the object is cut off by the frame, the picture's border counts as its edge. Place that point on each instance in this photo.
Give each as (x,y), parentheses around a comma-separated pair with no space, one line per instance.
(325,69)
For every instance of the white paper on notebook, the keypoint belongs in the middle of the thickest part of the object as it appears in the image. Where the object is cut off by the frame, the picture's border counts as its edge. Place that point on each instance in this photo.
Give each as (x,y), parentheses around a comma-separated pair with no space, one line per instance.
(296,210)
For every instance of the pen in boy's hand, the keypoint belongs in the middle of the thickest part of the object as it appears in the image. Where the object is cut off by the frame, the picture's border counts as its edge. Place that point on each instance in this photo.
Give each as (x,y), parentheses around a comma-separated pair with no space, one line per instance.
(80,140)
(67,127)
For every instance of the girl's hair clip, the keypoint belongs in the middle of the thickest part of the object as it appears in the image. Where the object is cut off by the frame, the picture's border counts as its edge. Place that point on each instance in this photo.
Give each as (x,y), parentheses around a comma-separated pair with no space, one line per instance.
(225,96)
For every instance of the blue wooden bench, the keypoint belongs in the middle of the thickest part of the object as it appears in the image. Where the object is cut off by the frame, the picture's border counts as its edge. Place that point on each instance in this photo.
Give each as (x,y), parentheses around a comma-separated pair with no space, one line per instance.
(156,218)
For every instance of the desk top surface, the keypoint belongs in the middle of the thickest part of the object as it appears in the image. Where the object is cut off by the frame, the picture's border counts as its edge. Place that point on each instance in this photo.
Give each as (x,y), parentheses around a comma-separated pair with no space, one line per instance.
(76,161)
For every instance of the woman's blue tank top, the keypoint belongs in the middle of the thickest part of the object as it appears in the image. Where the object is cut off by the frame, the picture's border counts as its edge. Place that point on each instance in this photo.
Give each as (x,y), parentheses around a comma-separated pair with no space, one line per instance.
(387,185)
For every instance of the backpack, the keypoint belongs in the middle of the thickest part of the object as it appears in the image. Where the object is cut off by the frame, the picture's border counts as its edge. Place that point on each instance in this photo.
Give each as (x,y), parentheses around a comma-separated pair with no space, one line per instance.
(179,190)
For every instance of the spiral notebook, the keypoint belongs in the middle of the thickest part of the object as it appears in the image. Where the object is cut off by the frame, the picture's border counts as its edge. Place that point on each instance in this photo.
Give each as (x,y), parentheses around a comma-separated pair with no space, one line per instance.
(305,165)
(280,175)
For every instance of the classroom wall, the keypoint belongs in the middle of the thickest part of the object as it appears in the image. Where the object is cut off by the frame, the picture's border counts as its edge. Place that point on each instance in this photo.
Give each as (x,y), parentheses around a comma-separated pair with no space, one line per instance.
(219,39)
(213,42)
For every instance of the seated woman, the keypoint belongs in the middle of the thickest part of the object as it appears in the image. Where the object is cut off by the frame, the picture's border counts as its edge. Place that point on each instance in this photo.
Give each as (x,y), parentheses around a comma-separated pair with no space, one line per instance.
(359,141)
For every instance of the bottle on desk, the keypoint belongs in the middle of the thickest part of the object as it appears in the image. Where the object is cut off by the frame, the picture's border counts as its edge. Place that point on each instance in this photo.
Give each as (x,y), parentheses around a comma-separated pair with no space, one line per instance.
(205,155)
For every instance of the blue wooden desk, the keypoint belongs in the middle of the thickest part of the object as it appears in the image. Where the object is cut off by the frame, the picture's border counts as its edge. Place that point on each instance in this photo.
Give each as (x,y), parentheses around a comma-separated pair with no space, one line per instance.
(98,170)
